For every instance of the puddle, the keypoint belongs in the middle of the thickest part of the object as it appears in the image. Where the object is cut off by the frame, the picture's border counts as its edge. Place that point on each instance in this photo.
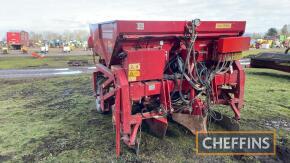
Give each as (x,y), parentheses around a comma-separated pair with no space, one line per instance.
(68,73)
(278,124)
(61,69)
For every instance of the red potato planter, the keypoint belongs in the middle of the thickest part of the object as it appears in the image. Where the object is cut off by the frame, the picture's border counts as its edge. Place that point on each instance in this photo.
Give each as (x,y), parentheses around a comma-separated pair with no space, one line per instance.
(148,71)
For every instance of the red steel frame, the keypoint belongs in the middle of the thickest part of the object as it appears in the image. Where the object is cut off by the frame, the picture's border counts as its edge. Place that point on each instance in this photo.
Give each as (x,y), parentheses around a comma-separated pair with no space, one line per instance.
(112,38)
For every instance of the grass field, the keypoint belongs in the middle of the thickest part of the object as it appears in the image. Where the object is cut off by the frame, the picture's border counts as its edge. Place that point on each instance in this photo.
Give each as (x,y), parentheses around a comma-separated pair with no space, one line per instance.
(22,62)
(53,120)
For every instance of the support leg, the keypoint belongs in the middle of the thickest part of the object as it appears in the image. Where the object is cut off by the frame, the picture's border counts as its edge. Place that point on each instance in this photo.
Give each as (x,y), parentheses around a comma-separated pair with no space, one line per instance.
(117,121)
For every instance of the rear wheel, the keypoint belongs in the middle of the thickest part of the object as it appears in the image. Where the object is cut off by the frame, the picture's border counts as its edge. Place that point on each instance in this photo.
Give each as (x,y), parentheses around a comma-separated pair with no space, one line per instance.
(99,93)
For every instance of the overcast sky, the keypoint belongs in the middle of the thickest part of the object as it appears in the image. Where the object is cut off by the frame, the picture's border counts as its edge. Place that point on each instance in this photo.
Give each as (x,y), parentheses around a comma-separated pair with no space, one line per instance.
(60,15)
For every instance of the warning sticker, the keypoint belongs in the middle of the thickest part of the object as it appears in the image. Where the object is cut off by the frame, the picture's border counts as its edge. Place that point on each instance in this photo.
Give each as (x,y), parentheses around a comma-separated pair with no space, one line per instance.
(223,25)
(134,73)
(132,79)
(134,66)
(140,26)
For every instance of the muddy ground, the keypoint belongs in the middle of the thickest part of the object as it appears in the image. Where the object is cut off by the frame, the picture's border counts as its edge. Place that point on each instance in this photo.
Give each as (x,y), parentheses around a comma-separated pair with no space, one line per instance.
(54,120)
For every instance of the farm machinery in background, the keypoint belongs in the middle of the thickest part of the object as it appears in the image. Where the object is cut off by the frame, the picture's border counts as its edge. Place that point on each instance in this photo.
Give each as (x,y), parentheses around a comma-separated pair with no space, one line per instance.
(150,71)
(4,48)
(276,61)
(66,48)
(44,48)
(18,41)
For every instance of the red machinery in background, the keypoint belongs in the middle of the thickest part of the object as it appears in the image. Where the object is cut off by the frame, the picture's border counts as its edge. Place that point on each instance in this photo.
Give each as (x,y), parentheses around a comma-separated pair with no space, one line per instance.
(148,71)
(17,39)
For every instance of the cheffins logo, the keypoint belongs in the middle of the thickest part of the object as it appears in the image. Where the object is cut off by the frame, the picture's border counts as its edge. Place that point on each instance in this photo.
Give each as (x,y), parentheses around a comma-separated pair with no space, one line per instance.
(236,143)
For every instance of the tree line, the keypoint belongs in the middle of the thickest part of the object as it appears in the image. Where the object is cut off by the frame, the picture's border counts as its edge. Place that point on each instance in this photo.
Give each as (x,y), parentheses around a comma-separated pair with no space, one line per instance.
(274,32)
(79,35)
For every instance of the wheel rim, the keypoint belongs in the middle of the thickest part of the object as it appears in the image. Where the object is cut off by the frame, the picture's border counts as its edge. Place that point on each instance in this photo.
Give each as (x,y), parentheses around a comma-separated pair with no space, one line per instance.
(98,94)
(98,104)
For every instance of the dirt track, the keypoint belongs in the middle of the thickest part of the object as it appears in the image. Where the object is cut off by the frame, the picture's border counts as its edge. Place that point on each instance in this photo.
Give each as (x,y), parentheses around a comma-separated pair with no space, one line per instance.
(32,73)
(50,72)
(51,52)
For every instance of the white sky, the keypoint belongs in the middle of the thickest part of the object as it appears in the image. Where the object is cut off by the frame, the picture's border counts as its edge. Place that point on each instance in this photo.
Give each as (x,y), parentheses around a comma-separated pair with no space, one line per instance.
(61,15)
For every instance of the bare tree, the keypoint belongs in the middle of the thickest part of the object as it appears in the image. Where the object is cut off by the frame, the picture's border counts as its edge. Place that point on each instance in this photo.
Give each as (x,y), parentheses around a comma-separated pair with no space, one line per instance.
(35,37)
(284,30)
(79,35)
(257,35)
(52,35)
(67,35)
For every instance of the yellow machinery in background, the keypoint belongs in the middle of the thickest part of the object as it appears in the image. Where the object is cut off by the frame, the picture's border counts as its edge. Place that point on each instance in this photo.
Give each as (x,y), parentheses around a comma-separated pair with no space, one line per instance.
(24,49)
(72,46)
(263,41)
(4,50)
